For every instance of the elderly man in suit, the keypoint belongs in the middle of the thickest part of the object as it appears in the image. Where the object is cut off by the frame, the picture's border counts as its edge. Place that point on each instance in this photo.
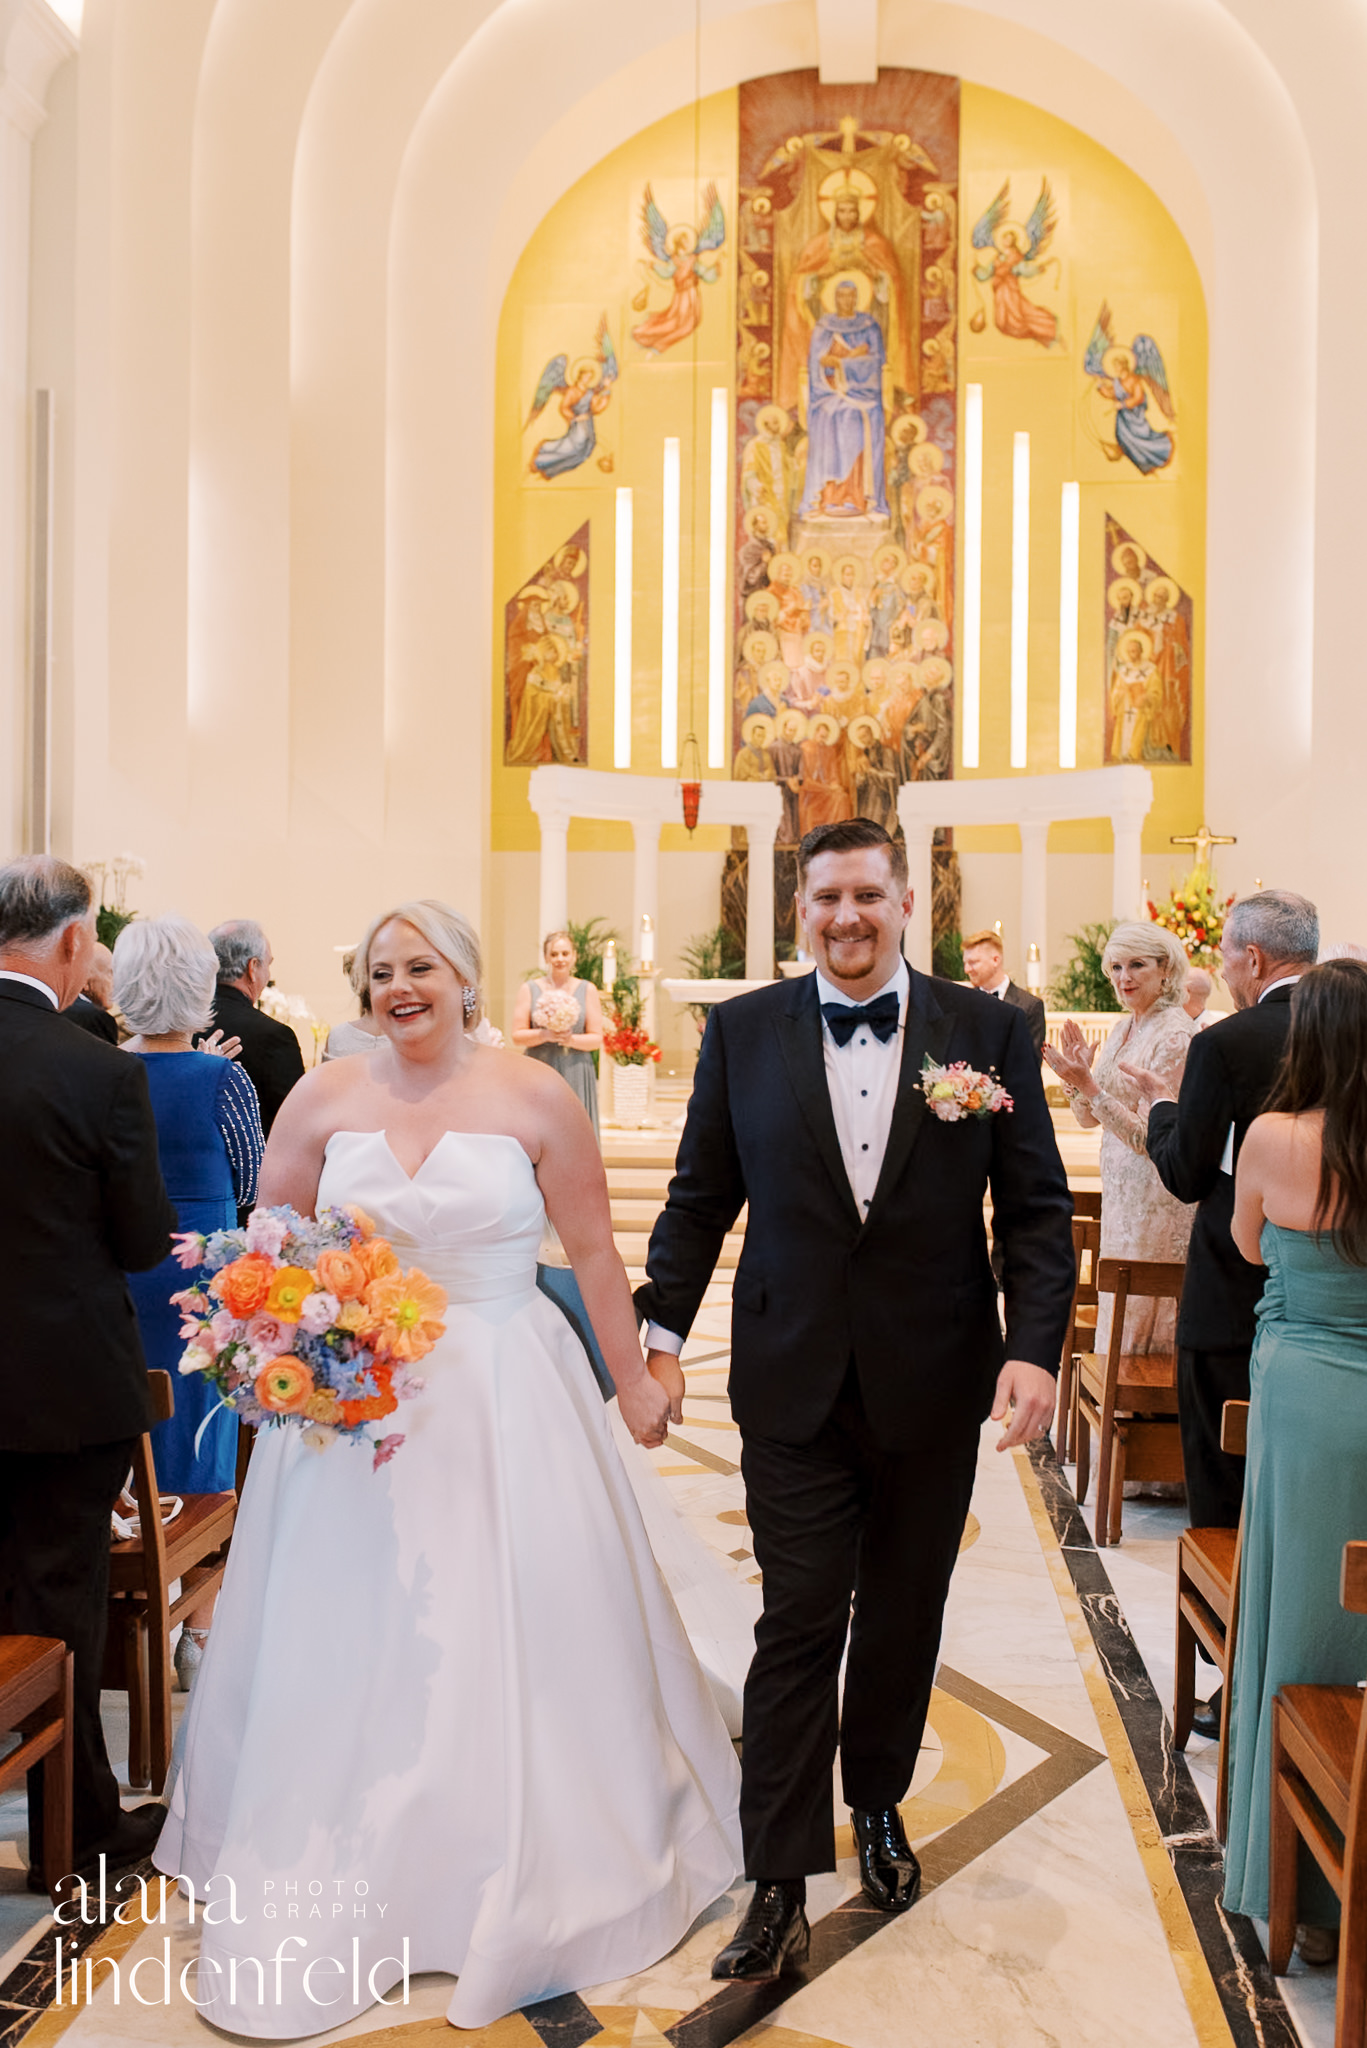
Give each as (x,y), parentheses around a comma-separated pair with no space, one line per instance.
(985,966)
(92,1008)
(866,1348)
(270,1055)
(81,1203)
(1270,940)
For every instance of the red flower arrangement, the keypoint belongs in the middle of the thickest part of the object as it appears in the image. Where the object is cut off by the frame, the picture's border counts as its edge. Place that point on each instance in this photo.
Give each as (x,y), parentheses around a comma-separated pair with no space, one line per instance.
(629,1045)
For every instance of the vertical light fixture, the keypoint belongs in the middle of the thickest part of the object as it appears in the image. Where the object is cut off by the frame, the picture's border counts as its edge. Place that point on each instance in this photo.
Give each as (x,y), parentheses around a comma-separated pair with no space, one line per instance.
(1070,528)
(621,634)
(716,580)
(669,609)
(971,715)
(1020,600)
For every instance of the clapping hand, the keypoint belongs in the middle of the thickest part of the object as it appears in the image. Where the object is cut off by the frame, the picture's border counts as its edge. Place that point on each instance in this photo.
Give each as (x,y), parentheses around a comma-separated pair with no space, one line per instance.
(1151,1087)
(1072,1059)
(226,1048)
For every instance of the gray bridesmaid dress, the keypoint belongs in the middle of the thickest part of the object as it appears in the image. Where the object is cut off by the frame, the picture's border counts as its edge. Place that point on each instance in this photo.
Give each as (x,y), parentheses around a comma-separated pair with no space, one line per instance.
(576,1065)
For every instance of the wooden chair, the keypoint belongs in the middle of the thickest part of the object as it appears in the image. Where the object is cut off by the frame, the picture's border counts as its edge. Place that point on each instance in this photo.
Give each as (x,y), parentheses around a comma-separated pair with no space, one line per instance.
(1128,1398)
(1208,1612)
(1319,1796)
(35,1701)
(1086,1202)
(194,1549)
(1081,1323)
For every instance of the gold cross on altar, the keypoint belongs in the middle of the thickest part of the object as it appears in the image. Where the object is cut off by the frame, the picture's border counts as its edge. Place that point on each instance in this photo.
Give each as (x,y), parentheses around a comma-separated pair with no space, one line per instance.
(1201,843)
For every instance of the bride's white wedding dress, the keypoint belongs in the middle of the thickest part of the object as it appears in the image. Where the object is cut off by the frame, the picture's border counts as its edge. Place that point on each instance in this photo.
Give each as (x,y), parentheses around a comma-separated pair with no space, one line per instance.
(455,1689)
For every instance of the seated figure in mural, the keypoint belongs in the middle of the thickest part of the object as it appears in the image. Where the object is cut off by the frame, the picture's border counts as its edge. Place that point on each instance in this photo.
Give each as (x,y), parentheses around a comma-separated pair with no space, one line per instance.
(546,728)
(845,420)
(851,246)
(785,756)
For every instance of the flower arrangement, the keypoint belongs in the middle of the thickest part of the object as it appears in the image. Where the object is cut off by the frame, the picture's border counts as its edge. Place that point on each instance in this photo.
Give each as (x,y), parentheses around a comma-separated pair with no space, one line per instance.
(629,1045)
(958,1091)
(1196,918)
(109,881)
(310,1323)
(556,1010)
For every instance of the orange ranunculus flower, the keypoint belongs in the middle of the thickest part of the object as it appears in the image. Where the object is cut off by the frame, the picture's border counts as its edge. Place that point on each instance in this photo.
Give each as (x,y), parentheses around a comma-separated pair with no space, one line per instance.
(243,1286)
(353,1317)
(322,1406)
(342,1274)
(371,1407)
(284,1386)
(406,1311)
(289,1289)
(376,1255)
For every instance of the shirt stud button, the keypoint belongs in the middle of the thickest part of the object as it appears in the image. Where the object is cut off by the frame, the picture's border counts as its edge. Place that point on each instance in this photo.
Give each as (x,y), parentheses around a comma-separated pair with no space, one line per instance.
(863,1148)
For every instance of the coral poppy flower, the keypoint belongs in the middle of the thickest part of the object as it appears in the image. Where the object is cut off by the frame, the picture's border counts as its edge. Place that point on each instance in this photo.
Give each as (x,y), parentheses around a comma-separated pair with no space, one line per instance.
(284,1386)
(242,1287)
(406,1309)
(289,1289)
(342,1273)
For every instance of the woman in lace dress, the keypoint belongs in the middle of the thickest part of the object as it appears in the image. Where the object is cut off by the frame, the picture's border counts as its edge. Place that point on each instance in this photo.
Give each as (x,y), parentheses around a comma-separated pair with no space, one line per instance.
(1139,1218)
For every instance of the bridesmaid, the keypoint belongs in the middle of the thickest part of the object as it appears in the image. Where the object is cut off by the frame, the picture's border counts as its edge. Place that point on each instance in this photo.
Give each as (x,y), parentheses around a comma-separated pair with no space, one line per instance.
(1300,1209)
(570,1051)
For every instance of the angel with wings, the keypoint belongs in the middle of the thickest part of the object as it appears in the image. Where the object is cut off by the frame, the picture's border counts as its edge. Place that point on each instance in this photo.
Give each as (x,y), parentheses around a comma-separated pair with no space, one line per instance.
(1132,380)
(677,252)
(585,388)
(1010,254)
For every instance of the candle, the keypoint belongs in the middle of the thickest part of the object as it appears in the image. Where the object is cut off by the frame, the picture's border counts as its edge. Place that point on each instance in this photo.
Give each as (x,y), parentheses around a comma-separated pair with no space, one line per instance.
(647,943)
(610,964)
(1034,971)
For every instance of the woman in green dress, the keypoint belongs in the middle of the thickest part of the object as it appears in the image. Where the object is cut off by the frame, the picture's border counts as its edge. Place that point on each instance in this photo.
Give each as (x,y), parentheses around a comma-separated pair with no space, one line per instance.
(566,1042)
(1301,1210)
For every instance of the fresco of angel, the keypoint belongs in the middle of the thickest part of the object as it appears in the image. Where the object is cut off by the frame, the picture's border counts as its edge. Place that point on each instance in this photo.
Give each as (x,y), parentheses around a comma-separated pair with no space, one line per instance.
(1010,254)
(678,253)
(585,388)
(1132,380)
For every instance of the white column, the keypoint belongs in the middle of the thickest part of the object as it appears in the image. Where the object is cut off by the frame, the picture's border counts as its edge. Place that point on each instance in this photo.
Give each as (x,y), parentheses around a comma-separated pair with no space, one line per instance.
(1034,929)
(1127,873)
(555,871)
(33,42)
(919,837)
(759,902)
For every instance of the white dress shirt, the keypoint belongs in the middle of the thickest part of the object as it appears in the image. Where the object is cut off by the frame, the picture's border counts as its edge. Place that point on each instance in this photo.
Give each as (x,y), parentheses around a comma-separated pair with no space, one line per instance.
(862,1077)
(30,981)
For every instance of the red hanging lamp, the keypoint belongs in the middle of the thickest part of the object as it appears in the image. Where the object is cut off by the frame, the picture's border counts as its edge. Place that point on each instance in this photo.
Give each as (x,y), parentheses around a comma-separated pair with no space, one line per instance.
(690,780)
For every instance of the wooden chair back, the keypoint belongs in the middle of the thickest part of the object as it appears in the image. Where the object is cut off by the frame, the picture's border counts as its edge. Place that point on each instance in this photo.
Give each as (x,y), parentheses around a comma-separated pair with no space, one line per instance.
(1086,1201)
(35,1704)
(1128,1398)
(1081,1319)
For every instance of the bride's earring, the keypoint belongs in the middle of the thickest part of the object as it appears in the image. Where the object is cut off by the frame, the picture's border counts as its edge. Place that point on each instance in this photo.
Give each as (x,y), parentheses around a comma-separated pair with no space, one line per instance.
(469,1003)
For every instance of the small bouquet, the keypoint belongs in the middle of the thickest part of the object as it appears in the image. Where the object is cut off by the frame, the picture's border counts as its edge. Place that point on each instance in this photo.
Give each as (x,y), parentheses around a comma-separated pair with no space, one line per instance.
(629,1045)
(312,1323)
(556,1010)
(958,1091)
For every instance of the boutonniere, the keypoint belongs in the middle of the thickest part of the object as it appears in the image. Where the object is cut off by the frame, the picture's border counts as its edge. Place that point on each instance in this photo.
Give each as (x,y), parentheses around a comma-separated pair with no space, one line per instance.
(958,1091)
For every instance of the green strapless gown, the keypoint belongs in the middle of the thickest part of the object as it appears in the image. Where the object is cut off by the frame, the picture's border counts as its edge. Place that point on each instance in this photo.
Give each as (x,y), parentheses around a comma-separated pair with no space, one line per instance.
(1305,1496)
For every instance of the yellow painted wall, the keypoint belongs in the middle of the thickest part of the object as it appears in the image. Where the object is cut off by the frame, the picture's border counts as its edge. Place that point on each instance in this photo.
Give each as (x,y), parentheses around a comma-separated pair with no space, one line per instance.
(1116,242)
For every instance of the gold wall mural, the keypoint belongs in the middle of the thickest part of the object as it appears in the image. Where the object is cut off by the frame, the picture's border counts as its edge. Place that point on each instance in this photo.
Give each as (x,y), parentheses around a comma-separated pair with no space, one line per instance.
(545,661)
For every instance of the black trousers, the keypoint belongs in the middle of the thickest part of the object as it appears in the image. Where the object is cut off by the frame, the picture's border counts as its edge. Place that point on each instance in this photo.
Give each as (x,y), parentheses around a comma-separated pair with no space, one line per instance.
(54,1581)
(835,1520)
(1215,1480)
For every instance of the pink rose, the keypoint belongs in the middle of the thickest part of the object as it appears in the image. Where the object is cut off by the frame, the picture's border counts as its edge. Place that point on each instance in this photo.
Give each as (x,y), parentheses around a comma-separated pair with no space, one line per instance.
(268,1336)
(318,1313)
(222,1328)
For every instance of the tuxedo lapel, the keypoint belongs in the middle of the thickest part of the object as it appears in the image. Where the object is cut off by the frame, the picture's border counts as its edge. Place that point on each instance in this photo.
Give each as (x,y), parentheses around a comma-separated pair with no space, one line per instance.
(927,1034)
(800,1038)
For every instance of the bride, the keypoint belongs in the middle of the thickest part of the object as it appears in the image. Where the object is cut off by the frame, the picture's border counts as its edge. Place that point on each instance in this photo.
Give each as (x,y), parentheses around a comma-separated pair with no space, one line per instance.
(449,1703)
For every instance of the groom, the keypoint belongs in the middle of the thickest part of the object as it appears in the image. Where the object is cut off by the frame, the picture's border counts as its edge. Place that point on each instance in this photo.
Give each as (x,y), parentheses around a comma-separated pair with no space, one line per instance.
(866,1349)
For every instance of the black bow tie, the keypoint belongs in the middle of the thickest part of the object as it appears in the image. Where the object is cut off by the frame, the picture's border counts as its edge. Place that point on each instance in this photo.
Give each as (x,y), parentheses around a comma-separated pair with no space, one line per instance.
(881,1015)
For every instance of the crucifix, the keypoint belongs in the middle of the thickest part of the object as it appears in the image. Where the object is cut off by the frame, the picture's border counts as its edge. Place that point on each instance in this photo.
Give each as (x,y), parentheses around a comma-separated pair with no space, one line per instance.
(1201,843)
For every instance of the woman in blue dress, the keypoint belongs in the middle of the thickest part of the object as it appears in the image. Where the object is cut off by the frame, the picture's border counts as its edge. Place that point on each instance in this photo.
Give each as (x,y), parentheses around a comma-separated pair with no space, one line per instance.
(210,1143)
(1301,1210)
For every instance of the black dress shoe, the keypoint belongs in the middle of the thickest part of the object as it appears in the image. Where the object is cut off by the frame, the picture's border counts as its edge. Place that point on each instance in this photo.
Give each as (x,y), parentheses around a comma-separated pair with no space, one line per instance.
(773,1934)
(134,1836)
(888,1870)
(1206,1720)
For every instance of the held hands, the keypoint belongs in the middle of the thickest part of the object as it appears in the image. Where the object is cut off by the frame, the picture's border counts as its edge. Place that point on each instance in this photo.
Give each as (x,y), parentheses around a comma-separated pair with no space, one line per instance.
(1152,1087)
(227,1048)
(1032,1393)
(652,1402)
(1072,1060)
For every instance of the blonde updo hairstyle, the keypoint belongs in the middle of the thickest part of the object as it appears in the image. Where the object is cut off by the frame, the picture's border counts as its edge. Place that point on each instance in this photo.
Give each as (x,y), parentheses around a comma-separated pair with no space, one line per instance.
(446,931)
(1151,942)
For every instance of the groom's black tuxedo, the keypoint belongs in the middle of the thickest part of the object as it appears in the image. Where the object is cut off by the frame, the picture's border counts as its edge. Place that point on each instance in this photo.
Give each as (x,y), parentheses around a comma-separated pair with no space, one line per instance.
(864,1358)
(81,1199)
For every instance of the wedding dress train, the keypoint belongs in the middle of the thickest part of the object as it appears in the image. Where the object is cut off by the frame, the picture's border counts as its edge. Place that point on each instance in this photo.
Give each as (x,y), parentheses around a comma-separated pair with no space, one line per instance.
(449,1703)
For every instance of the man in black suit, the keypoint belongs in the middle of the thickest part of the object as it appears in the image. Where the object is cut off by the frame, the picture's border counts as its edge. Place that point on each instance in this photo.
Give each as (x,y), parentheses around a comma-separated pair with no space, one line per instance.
(81,1203)
(1269,941)
(985,966)
(91,1008)
(270,1055)
(866,1349)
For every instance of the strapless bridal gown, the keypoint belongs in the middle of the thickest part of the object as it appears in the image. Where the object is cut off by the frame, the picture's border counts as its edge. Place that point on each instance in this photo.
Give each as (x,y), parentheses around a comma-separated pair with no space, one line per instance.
(449,1701)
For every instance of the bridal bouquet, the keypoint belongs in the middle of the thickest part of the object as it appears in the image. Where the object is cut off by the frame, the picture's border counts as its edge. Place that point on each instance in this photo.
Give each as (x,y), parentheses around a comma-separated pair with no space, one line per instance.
(959,1091)
(556,1010)
(307,1322)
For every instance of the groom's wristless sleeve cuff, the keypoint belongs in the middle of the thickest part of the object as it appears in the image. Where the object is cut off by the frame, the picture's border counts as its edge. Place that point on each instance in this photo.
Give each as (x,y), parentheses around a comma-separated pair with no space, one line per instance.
(663,1340)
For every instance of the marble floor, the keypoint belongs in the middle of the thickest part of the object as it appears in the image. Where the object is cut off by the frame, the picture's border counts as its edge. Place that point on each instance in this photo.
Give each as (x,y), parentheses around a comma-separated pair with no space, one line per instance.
(1071,1876)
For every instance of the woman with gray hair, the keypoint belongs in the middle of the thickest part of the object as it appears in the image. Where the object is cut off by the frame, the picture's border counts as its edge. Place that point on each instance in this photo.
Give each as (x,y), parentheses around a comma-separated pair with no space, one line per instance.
(1139,1218)
(210,1143)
